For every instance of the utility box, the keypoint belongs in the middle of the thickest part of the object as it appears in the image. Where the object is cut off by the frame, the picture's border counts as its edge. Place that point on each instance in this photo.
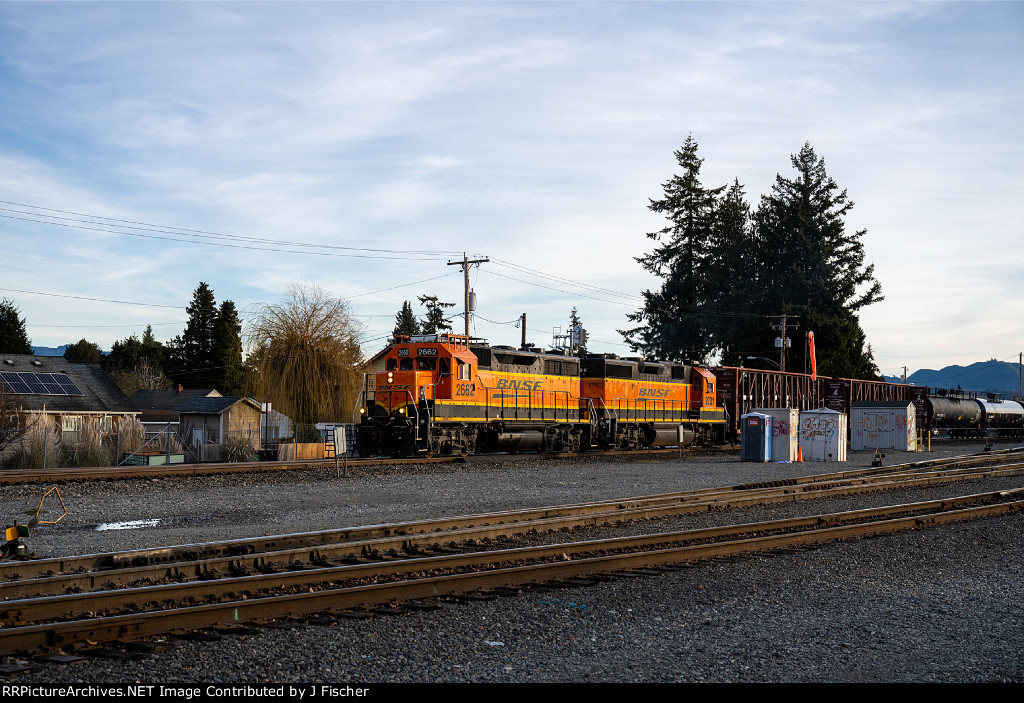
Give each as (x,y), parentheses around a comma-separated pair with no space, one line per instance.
(785,424)
(823,435)
(878,424)
(755,437)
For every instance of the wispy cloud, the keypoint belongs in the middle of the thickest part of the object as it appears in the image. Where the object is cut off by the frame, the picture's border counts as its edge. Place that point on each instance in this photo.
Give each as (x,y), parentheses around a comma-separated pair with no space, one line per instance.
(529,132)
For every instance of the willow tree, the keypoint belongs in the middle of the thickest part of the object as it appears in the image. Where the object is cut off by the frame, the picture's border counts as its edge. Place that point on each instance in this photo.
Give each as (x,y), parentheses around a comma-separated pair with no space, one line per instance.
(306,356)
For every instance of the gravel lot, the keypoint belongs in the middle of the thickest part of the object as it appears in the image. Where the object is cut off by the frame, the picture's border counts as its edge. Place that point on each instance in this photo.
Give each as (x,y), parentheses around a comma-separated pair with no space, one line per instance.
(942,604)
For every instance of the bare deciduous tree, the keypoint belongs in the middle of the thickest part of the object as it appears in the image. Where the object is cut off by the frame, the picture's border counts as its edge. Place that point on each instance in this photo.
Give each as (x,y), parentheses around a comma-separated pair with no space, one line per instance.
(306,355)
(144,376)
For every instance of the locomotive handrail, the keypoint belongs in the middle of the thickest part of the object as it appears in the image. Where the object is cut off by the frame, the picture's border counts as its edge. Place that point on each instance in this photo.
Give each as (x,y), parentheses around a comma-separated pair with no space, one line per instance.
(426,406)
(604,406)
(644,406)
(412,402)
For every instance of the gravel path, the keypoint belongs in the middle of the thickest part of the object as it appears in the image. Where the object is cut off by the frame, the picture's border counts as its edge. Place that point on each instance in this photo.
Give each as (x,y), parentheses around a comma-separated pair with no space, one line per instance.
(942,604)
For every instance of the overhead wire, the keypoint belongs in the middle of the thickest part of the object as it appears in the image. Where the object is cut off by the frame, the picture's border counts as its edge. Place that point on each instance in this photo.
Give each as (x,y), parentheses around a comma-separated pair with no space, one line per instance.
(195,233)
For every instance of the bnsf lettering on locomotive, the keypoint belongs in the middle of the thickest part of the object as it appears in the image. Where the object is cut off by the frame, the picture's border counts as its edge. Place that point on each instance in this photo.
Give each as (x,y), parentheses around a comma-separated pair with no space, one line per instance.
(511,384)
(426,351)
(653,393)
(385,389)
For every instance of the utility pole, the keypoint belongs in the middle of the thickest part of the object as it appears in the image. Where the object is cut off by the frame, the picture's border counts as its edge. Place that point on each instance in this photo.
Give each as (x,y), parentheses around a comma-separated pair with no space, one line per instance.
(522,321)
(783,341)
(465,263)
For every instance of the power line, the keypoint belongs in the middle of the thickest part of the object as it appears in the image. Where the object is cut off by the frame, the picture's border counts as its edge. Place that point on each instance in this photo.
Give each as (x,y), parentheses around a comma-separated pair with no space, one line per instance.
(230,246)
(560,279)
(96,300)
(181,231)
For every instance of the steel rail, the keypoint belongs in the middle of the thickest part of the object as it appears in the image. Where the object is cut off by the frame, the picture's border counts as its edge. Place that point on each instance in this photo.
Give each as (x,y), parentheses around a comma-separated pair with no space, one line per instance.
(283,551)
(30,610)
(377,548)
(130,626)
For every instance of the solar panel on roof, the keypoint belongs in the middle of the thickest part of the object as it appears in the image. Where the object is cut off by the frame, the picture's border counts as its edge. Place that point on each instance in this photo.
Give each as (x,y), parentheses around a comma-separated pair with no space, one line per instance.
(27,383)
(14,383)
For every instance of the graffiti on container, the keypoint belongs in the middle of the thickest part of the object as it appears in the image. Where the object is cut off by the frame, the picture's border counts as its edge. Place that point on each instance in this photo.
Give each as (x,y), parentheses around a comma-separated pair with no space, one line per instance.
(873,423)
(780,428)
(818,428)
(872,426)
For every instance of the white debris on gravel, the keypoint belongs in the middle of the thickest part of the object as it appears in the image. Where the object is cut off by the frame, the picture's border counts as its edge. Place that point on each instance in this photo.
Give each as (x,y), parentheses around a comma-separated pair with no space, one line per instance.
(938,604)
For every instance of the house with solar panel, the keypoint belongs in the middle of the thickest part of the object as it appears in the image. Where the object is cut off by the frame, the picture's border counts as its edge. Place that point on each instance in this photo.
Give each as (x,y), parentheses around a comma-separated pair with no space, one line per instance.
(67,393)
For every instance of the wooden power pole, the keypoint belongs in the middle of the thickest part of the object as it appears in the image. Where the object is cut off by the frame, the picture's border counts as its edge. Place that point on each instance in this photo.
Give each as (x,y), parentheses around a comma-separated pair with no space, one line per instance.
(465,263)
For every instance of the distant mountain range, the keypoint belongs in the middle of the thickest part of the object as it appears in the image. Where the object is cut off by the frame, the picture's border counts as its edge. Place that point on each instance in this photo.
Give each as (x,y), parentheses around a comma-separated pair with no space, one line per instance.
(989,376)
(49,351)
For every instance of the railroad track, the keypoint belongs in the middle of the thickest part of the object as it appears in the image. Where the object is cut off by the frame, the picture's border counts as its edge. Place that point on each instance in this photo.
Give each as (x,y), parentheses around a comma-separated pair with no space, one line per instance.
(56,604)
(107,473)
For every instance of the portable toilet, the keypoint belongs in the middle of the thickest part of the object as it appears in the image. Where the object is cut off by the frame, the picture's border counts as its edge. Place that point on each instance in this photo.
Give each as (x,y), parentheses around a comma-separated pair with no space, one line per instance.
(823,435)
(755,437)
(785,422)
(880,424)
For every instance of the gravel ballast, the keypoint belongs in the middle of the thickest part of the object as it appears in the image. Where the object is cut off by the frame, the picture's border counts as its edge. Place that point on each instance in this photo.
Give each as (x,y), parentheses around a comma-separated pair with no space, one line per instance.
(937,604)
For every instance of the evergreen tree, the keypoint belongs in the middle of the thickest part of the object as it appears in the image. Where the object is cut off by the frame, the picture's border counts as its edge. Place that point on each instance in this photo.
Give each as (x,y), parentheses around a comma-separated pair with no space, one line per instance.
(435,321)
(193,362)
(405,321)
(126,354)
(83,352)
(812,268)
(227,345)
(732,277)
(13,335)
(673,322)
(729,276)
(136,364)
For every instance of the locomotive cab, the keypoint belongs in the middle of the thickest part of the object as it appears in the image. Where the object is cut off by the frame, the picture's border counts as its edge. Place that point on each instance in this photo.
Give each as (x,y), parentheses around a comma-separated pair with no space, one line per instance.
(398,405)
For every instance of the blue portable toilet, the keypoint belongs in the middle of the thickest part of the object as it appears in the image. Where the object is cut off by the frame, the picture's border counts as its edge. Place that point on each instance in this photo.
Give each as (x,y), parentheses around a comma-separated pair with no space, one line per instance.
(755,437)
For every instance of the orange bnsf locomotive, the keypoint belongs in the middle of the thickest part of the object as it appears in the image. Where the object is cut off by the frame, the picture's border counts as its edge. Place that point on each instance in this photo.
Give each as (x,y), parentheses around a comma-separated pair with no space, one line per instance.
(450,394)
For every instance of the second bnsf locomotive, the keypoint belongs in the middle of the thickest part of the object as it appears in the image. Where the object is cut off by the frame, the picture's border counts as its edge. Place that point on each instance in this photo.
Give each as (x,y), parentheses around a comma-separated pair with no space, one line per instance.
(450,394)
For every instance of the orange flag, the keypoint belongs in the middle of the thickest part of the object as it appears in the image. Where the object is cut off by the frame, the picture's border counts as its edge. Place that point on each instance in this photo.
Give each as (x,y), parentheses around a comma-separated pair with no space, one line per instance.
(814,363)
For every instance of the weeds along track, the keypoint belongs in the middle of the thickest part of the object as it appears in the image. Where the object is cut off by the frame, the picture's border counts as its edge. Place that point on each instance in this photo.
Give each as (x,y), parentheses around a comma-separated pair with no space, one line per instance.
(56,604)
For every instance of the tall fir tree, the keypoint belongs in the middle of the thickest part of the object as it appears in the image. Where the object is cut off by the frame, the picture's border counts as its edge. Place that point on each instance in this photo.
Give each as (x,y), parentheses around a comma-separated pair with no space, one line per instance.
(405,321)
(193,359)
(673,323)
(13,335)
(731,277)
(228,375)
(813,269)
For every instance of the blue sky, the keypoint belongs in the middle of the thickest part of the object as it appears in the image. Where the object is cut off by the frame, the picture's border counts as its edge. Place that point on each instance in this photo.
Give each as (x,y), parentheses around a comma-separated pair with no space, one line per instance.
(530,133)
